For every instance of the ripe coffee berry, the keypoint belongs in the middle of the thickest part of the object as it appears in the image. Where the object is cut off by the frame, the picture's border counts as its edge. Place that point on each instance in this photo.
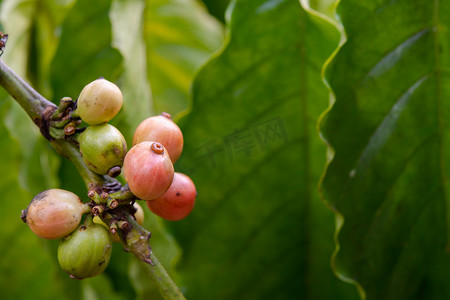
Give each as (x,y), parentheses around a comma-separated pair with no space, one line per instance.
(178,201)
(148,170)
(85,252)
(54,213)
(163,130)
(103,148)
(99,102)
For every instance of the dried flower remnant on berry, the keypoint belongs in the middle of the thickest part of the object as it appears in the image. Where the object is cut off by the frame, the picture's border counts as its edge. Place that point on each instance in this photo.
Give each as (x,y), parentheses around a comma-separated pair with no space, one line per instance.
(157,148)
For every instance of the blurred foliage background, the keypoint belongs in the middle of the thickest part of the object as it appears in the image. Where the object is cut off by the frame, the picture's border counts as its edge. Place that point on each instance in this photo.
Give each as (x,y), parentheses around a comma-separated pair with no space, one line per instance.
(258,229)
(245,82)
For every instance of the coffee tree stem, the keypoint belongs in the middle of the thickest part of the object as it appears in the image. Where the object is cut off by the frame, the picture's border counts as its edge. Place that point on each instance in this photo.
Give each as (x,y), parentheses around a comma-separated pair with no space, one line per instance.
(71,152)
(40,110)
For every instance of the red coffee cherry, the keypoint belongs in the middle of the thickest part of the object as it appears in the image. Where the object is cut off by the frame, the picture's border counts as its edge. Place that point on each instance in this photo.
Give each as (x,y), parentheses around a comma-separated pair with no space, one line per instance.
(99,102)
(178,201)
(163,130)
(148,170)
(54,213)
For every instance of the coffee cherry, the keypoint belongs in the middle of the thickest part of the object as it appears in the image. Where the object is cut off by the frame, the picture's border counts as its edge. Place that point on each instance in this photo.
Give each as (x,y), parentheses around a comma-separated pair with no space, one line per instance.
(99,102)
(86,252)
(163,130)
(178,201)
(148,170)
(103,147)
(139,214)
(54,213)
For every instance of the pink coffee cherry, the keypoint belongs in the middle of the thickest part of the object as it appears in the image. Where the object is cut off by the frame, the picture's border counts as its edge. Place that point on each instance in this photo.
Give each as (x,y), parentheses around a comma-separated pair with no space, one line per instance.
(163,130)
(54,213)
(148,170)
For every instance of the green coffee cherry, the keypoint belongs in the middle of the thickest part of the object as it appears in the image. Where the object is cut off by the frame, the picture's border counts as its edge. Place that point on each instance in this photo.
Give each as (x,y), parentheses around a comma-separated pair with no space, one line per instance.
(85,252)
(99,102)
(103,148)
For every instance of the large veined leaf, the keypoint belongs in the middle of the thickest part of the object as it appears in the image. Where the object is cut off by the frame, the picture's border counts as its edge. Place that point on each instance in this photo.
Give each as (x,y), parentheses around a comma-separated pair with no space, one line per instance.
(259,229)
(389,131)
(179,36)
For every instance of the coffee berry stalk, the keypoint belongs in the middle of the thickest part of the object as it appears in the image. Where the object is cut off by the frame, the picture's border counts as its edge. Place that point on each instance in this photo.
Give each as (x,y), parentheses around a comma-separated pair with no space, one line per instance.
(60,125)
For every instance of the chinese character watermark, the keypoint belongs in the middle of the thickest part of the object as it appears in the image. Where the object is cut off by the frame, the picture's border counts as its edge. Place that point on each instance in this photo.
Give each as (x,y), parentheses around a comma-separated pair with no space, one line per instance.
(241,142)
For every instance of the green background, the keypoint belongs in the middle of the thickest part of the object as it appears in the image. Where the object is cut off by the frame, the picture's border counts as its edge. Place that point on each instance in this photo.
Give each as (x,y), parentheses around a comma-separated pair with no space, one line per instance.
(317,142)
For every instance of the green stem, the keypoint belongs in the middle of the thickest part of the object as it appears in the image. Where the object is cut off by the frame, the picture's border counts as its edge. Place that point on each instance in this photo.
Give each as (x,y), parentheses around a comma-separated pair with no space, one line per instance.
(124,194)
(71,152)
(166,286)
(30,100)
(40,110)
(137,242)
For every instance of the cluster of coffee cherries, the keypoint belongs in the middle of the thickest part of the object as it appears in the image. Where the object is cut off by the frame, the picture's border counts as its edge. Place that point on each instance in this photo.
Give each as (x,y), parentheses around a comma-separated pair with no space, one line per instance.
(86,241)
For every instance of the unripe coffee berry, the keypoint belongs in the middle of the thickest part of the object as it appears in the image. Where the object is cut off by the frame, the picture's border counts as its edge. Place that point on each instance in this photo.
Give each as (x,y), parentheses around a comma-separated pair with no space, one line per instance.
(54,213)
(103,148)
(139,214)
(178,201)
(163,130)
(99,102)
(86,252)
(148,170)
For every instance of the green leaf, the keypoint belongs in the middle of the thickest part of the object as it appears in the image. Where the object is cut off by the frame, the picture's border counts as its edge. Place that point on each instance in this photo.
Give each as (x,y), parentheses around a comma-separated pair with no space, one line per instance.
(180,36)
(389,128)
(39,161)
(32,27)
(84,51)
(258,229)
(217,8)
(16,17)
(326,7)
